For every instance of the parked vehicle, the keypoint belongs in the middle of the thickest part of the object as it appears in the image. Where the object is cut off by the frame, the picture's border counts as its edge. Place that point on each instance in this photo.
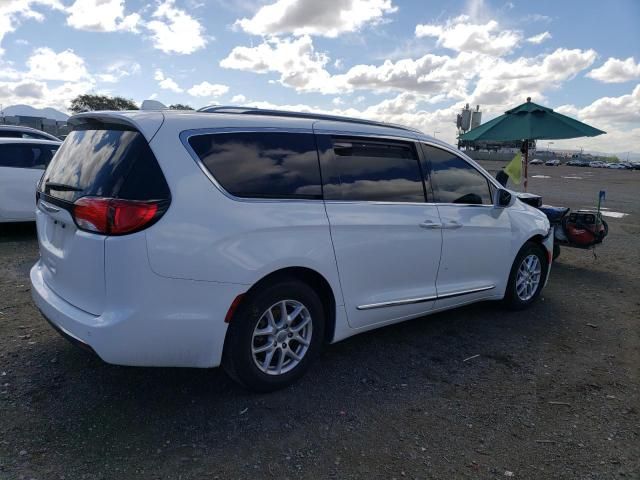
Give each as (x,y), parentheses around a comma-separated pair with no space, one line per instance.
(17,131)
(22,162)
(536,161)
(617,166)
(249,238)
(577,163)
(553,163)
(597,164)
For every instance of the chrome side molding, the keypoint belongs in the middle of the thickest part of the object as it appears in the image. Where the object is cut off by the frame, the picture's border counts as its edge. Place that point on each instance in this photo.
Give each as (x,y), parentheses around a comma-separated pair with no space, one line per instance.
(395,303)
(466,292)
(430,298)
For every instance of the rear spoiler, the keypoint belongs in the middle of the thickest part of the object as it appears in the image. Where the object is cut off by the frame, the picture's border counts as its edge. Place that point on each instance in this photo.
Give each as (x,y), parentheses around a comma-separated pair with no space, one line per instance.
(146,122)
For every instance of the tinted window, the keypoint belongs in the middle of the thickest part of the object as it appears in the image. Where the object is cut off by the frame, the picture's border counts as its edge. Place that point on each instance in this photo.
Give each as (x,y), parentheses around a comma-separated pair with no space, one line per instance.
(262,165)
(108,162)
(26,156)
(373,170)
(455,180)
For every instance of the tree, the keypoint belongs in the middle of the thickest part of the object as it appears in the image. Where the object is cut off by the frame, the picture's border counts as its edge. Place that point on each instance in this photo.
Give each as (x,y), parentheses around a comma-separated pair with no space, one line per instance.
(89,103)
(180,106)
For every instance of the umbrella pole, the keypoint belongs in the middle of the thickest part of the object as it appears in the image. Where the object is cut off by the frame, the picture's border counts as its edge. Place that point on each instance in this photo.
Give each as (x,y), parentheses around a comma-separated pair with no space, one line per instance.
(526,163)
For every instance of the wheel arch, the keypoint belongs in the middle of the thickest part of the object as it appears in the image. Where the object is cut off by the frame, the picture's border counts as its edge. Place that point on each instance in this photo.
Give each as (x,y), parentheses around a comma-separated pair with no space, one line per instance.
(312,278)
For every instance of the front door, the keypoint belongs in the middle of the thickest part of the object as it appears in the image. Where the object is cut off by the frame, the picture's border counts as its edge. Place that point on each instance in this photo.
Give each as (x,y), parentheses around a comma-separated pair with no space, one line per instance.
(476,237)
(386,237)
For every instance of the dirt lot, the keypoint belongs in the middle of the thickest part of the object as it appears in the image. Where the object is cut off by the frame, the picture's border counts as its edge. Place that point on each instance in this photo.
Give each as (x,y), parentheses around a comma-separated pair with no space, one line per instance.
(552,392)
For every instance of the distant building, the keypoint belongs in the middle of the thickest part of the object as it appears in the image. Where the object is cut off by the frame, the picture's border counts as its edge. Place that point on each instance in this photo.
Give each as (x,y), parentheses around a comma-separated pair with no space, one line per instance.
(55,127)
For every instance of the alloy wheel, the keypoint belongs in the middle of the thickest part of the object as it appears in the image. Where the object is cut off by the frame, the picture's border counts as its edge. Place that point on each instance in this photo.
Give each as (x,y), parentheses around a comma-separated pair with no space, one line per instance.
(528,277)
(282,337)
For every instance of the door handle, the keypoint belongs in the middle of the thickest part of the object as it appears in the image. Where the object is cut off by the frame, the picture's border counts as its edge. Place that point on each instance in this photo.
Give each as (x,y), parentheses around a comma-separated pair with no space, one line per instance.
(453,225)
(429,225)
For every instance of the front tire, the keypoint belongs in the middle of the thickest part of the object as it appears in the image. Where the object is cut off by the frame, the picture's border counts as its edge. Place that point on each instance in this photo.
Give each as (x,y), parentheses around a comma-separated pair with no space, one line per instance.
(527,276)
(274,336)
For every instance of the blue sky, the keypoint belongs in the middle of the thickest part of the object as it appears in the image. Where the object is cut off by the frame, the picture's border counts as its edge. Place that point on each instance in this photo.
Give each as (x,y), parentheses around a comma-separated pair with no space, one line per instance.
(411,62)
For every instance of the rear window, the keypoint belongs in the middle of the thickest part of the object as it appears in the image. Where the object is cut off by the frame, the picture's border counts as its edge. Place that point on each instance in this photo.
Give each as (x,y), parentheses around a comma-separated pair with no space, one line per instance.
(111,161)
(26,155)
(262,164)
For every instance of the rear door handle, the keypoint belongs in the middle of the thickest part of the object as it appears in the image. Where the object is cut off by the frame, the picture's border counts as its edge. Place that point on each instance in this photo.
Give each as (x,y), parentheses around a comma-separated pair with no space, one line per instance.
(453,225)
(429,225)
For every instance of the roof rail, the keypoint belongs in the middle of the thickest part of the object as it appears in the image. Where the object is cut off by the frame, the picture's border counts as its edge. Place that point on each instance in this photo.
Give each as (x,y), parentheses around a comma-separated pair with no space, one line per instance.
(285,113)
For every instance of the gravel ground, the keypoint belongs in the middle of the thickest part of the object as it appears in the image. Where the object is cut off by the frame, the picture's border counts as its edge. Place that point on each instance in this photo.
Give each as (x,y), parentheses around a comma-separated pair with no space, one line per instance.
(479,392)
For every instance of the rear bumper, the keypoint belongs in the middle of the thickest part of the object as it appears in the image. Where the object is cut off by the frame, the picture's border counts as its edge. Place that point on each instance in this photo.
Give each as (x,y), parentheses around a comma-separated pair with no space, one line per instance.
(173,323)
(69,336)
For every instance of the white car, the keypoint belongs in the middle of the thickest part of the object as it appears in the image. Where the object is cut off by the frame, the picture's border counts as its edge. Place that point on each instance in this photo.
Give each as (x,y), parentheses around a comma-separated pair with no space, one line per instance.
(22,162)
(249,238)
(18,131)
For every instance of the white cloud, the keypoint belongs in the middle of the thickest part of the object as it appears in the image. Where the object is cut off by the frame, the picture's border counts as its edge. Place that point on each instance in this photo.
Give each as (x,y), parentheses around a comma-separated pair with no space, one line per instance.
(101,16)
(328,18)
(206,89)
(175,31)
(118,70)
(538,39)
(39,94)
(505,83)
(12,12)
(463,36)
(609,110)
(487,79)
(45,64)
(615,70)
(299,65)
(618,116)
(166,83)
(238,99)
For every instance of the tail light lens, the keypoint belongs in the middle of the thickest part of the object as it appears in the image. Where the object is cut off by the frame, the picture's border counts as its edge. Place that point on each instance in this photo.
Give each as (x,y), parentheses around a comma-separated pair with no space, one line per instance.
(113,216)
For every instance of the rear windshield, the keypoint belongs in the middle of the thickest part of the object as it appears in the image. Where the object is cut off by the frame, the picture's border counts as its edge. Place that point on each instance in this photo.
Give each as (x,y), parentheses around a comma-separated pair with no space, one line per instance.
(111,161)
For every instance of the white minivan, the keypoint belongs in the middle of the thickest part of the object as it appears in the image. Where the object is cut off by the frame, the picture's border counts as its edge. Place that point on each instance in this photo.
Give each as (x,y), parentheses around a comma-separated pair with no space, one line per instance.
(249,238)
(22,161)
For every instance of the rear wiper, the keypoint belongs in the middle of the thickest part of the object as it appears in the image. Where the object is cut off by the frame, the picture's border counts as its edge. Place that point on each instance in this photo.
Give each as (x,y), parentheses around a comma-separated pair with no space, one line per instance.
(61,186)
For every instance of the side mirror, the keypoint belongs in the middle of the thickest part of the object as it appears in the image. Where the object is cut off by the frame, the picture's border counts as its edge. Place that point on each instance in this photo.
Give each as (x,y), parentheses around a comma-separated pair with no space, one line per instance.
(502,198)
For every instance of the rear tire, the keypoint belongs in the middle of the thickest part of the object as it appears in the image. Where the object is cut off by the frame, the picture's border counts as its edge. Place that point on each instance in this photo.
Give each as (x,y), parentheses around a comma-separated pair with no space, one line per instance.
(267,349)
(527,277)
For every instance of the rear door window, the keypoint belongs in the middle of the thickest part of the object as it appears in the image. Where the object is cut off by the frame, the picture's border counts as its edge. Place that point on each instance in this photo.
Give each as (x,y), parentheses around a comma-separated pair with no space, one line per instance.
(105,161)
(374,170)
(25,155)
(455,180)
(262,164)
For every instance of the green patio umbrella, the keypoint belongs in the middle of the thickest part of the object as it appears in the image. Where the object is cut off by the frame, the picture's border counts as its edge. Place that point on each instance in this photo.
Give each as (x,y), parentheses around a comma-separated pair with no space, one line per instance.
(530,121)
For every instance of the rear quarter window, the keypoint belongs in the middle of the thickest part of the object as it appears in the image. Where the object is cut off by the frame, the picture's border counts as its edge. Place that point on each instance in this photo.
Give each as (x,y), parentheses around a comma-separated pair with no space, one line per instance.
(262,164)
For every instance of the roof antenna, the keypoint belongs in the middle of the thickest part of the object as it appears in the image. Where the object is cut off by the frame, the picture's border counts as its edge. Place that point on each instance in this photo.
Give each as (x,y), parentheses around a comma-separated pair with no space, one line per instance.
(153,105)
(528,99)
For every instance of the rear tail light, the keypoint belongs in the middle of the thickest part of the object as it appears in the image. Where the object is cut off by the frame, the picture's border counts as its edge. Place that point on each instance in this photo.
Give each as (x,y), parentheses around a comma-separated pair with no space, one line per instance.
(113,216)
